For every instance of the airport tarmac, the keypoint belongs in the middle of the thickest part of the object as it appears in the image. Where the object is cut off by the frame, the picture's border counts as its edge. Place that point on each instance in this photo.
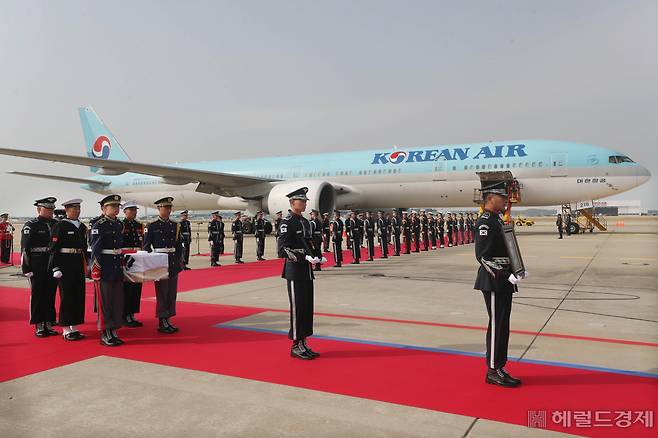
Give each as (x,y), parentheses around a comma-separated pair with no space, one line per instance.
(402,342)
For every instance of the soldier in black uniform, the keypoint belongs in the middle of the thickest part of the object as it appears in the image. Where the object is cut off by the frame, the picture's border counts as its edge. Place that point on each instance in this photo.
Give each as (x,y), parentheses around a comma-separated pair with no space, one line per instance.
(316,235)
(431,230)
(186,237)
(68,264)
(440,229)
(133,241)
(406,232)
(383,226)
(348,231)
(35,238)
(424,230)
(259,232)
(369,234)
(326,232)
(163,236)
(107,270)
(355,225)
(460,229)
(449,228)
(558,224)
(216,238)
(567,223)
(496,282)
(415,229)
(238,237)
(277,223)
(467,228)
(295,244)
(396,228)
(337,227)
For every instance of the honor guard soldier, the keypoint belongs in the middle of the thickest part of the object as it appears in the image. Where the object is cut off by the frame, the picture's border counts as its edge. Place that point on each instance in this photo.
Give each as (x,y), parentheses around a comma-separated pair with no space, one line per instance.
(415,229)
(558,224)
(496,282)
(424,230)
(133,241)
(107,270)
(355,226)
(382,232)
(396,229)
(406,231)
(35,239)
(163,236)
(216,238)
(295,245)
(68,264)
(259,231)
(316,234)
(348,231)
(186,237)
(431,224)
(326,232)
(369,234)
(337,227)
(441,229)
(449,228)
(238,237)
(460,229)
(467,228)
(6,238)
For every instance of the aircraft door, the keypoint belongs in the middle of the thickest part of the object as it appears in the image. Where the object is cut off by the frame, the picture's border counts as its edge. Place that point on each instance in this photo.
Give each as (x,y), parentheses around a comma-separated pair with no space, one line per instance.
(440,170)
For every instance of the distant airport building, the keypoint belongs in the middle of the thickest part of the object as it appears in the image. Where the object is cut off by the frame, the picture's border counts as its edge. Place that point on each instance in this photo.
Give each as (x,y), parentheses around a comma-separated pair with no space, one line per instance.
(619,207)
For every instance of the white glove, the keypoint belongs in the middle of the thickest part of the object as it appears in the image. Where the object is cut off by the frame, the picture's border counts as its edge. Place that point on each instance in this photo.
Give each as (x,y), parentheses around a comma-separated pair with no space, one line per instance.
(310,259)
(316,260)
(29,274)
(524,275)
(210,242)
(323,260)
(57,274)
(513,279)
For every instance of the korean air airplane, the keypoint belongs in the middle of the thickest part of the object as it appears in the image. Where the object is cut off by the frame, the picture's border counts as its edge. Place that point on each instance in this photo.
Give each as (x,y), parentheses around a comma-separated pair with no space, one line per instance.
(548,173)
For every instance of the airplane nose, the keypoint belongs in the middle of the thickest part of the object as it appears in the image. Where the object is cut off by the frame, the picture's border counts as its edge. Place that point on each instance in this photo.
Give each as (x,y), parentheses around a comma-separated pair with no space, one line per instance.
(643,175)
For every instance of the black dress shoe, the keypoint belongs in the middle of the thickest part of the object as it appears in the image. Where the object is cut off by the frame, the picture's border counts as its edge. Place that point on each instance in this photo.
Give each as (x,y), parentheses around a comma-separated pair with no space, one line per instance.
(384,257)
(298,353)
(41,333)
(132,323)
(370,260)
(166,329)
(187,268)
(73,336)
(109,342)
(310,352)
(497,377)
(51,332)
(338,265)
(510,378)
(239,262)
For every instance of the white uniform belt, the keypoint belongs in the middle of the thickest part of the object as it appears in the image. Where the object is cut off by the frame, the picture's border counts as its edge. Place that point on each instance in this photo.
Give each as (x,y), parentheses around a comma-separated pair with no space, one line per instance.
(39,249)
(185,233)
(165,250)
(111,251)
(70,250)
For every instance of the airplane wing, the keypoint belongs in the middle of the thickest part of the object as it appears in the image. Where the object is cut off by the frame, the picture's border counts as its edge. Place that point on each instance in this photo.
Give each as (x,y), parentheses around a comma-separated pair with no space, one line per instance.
(225,184)
(93,182)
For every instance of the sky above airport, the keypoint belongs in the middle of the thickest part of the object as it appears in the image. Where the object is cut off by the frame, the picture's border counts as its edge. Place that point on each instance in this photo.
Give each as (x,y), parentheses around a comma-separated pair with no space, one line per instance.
(197,80)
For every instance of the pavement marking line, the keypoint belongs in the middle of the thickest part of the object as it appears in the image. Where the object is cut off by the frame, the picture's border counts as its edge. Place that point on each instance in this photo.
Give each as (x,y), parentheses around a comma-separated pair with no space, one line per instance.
(441,350)
(576,257)
(472,327)
(598,250)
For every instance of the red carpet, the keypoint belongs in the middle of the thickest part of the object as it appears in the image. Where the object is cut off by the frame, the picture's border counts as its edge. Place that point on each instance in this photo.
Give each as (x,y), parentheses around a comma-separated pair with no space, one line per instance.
(437,381)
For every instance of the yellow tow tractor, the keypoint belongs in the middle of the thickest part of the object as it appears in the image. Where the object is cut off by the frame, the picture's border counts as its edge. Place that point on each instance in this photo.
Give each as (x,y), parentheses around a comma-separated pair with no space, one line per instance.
(522,221)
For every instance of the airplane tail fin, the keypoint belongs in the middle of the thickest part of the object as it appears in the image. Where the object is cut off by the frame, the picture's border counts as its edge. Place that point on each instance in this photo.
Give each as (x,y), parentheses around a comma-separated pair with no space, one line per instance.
(100,142)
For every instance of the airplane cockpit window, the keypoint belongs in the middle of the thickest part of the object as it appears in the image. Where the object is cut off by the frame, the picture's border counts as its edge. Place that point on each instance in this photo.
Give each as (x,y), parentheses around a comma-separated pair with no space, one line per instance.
(616,159)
